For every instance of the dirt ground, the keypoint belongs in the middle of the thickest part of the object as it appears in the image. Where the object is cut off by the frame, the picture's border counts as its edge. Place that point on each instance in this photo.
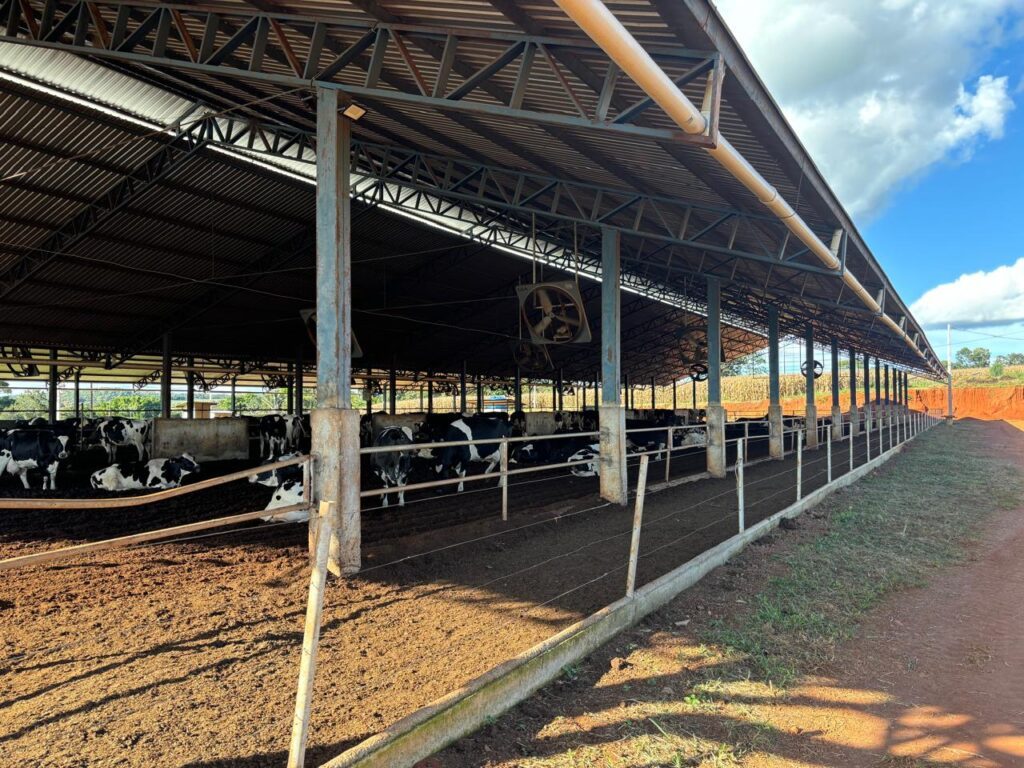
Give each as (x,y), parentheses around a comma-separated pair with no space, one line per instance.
(186,654)
(934,675)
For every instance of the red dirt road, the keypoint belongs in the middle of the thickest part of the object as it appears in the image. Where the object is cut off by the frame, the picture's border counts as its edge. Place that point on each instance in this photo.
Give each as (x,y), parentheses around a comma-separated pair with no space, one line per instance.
(937,674)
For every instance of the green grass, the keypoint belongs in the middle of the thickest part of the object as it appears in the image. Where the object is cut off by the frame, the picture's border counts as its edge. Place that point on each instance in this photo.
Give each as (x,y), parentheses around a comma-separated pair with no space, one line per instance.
(885,533)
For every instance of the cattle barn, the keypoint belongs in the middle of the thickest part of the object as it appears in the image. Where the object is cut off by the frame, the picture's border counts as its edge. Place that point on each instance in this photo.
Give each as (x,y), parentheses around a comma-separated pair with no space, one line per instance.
(350,196)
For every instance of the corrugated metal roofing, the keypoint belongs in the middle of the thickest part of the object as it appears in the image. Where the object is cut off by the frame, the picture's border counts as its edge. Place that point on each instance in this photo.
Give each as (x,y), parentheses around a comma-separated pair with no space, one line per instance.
(749,118)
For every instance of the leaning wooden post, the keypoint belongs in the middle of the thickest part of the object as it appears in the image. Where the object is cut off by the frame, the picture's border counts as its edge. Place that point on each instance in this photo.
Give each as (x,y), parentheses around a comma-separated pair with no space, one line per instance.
(504,478)
(310,640)
(741,508)
(638,514)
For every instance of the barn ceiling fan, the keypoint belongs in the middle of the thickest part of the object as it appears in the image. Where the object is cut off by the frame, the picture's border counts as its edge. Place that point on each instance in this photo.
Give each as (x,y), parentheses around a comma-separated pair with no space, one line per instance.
(553,313)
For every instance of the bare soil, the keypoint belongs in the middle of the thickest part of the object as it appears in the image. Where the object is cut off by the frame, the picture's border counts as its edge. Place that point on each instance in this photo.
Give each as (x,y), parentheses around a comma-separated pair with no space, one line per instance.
(186,654)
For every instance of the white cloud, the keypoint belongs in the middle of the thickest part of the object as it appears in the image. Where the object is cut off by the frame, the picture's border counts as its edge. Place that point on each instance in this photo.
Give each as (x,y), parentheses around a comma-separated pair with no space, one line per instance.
(879,90)
(993,299)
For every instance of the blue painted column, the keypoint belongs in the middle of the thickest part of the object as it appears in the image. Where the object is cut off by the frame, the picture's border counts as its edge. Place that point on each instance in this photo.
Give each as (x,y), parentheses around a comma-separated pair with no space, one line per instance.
(854,411)
(837,412)
(612,416)
(811,407)
(776,447)
(716,460)
(335,422)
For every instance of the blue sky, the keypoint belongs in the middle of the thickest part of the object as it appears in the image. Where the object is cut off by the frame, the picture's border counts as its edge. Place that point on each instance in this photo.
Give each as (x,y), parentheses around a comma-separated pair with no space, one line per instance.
(914,111)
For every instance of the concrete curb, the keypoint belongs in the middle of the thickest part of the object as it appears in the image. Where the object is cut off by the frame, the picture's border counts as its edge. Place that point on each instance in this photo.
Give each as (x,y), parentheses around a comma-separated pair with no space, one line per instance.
(461,712)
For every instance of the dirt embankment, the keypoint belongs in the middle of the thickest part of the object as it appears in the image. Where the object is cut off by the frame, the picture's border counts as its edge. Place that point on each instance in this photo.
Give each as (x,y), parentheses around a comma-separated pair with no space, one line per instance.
(987,403)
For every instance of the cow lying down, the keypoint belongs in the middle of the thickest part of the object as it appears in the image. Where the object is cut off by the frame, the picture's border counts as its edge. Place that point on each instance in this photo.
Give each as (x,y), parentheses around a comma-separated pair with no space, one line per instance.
(590,466)
(137,475)
(288,490)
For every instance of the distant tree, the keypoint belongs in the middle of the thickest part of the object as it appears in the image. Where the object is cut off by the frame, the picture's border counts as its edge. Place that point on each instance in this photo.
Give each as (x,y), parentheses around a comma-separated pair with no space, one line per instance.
(755,364)
(1012,358)
(979,357)
(996,370)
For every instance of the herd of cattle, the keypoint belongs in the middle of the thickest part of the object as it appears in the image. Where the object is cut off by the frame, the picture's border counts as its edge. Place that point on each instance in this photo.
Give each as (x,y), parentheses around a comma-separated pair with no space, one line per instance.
(37,447)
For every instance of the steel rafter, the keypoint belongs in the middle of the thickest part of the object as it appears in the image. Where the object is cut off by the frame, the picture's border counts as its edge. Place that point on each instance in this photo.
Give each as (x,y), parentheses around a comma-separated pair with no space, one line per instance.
(294,50)
(166,158)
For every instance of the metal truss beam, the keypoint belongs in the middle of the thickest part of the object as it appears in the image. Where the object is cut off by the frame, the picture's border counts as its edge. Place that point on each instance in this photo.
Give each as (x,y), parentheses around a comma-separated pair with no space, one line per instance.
(169,156)
(294,50)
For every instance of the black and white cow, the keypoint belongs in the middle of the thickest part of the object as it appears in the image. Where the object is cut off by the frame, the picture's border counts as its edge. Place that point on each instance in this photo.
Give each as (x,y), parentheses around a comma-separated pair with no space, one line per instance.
(279,433)
(485,432)
(393,467)
(273,478)
(25,449)
(285,495)
(157,474)
(118,431)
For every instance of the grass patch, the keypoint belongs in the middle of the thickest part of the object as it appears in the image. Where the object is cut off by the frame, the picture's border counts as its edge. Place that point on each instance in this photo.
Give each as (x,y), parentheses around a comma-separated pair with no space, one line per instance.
(885,533)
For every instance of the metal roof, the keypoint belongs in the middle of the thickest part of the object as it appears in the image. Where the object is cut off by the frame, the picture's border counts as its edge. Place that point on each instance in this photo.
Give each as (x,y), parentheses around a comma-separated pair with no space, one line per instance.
(180,256)
(494,105)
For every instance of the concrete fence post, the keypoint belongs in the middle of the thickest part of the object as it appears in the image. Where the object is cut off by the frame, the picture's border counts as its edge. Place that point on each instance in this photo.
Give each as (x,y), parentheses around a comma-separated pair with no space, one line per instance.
(504,478)
(799,464)
(741,511)
(851,448)
(828,457)
(668,453)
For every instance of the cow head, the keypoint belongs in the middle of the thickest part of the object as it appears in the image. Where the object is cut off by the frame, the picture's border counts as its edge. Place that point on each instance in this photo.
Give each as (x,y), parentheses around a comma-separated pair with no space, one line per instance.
(186,464)
(63,440)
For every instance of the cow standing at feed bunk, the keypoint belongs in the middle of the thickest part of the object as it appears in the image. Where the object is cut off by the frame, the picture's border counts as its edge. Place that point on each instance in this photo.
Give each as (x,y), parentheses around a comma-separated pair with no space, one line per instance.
(24,449)
(155,474)
(485,432)
(393,467)
(118,431)
(280,433)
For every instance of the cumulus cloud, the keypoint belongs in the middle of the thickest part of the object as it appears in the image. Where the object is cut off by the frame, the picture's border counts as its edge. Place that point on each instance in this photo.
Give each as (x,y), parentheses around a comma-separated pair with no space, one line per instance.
(993,299)
(879,90)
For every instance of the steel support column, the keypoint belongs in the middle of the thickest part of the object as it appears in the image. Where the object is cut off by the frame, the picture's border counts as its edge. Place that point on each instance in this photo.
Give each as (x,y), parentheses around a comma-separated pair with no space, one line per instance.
(868,411)
(300,385)
(190,390)
(716,459)
(811,406)
(854,413)
(612,415)
(430,392)
(463,400)
(51,390)
(776,445)
(392,391)
(654,401)
(518,389)
(479,393)
(837,412)
(234,395)
(335,422)
(78,393)
(165,378)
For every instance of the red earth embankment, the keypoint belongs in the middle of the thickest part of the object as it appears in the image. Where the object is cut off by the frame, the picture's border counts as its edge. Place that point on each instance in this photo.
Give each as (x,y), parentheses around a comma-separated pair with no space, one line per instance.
(989,403)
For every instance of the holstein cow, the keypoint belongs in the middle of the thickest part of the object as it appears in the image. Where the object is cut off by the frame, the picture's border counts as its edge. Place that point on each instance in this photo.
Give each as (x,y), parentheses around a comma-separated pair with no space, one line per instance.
(22,450)
(393,467)
(280,432)
(273,478)
(288,489)
(288,493)
(484,432)
(157,474)
(118,431)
